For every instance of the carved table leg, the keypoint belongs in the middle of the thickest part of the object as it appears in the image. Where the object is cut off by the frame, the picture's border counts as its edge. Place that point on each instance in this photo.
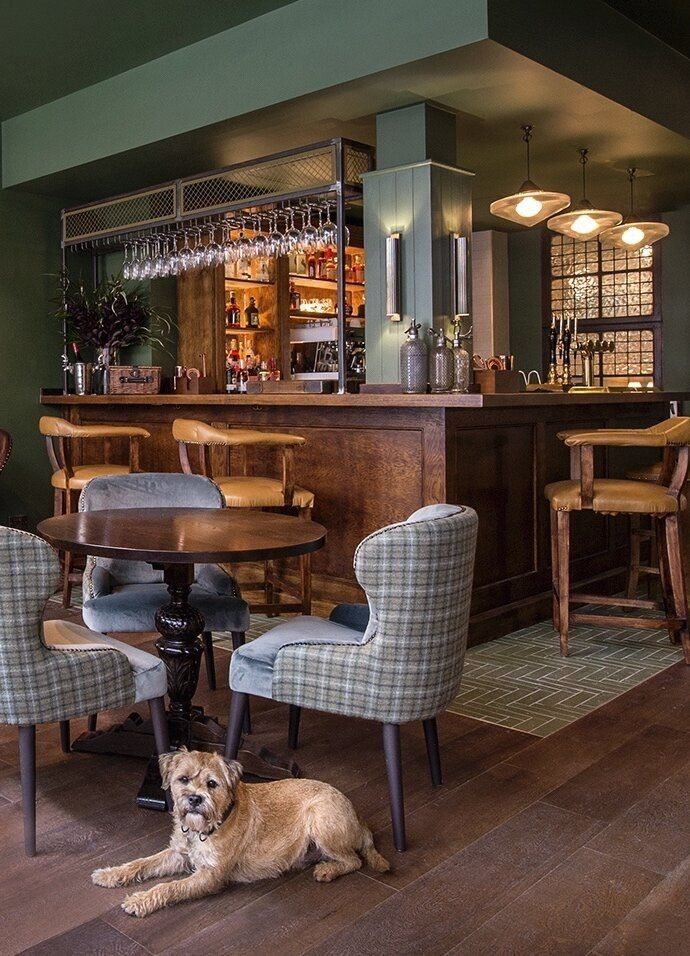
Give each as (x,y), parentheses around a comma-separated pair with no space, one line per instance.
(179,646)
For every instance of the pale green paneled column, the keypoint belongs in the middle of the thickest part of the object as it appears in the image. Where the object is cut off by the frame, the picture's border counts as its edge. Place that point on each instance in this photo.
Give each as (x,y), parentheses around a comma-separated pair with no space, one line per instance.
(425,199)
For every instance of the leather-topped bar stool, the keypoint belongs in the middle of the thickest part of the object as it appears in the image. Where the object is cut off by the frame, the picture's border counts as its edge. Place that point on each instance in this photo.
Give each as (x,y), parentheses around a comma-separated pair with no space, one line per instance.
(609,496)
(638,534)
(243,490)
(68,479)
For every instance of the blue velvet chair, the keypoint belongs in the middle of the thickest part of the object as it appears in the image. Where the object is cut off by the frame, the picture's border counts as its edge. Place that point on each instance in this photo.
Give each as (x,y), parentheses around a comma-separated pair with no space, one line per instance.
(397,659)
(123,596)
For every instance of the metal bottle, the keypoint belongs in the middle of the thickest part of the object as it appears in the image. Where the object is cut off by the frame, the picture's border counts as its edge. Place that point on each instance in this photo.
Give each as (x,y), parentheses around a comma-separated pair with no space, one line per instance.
(440,362)
(413,362)
(461,360)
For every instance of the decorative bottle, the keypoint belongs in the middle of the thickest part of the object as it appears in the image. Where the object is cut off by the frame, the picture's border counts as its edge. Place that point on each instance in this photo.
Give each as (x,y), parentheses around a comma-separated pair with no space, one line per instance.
(413,362)
(461,361)
(440,363)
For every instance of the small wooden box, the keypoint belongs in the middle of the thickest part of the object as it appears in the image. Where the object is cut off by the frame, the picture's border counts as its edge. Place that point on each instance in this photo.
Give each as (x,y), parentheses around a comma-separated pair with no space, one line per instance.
(492,381)
(203,385)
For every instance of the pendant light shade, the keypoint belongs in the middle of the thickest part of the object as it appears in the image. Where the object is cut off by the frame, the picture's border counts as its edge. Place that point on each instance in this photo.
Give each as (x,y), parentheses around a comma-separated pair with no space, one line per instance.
(634,233)
(582,221)
(530,204)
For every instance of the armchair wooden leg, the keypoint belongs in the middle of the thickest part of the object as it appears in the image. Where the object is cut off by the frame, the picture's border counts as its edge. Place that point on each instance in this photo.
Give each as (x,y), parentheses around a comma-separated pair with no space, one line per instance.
(27,771)
(238,639)
(391,749)
(92,723)
(68,560)
(563,529)
(236,717)
(433,753)
(159,719)
(65,742)
(207,638)
(293,726)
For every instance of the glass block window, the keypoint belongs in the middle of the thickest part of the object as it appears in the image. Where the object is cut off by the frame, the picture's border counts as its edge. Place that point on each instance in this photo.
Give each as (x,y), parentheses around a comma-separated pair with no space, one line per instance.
(632,357)
(590,282)
(608,294)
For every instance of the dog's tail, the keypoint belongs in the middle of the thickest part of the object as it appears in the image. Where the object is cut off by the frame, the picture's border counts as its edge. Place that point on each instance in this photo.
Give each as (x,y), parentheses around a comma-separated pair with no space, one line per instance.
(372,857)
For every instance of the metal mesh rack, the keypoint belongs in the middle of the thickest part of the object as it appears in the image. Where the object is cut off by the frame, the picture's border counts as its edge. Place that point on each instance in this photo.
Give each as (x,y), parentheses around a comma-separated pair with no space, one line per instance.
(335,166)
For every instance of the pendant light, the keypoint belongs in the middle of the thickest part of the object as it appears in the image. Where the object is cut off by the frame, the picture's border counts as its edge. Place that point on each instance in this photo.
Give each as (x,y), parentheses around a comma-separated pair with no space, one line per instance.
(633,233)
(530,204)
(582,221)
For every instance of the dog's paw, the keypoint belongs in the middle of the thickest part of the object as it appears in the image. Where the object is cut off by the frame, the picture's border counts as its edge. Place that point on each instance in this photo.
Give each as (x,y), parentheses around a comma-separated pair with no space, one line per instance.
(323,873)
(108,876)
(139,904)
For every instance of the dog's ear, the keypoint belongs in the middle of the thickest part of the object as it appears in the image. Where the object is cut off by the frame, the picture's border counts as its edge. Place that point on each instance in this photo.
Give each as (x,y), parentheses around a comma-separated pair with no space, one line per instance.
(166,763)
(232,771)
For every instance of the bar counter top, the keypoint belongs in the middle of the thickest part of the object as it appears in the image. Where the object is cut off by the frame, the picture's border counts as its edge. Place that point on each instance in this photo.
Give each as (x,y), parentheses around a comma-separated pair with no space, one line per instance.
(378,400)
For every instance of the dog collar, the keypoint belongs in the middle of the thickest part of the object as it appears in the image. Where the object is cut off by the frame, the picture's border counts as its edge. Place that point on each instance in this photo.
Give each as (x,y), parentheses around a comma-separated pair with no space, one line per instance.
(203,836)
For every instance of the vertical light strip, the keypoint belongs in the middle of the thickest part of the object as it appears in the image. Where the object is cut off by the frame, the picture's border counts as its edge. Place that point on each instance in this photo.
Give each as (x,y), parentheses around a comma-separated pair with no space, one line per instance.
(393,277)
(459,277)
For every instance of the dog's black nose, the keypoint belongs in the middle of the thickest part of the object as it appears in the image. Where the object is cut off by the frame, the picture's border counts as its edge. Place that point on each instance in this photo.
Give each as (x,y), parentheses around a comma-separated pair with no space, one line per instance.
(194,800)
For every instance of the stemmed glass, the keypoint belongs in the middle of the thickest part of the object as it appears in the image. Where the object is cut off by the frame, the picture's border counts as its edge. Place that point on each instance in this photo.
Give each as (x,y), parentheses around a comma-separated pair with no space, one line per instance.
(328,231)
(293,234)
(127,262)
(228,245)
(309,234)
(213,254)
(276,238)
(244,243)
(185,257)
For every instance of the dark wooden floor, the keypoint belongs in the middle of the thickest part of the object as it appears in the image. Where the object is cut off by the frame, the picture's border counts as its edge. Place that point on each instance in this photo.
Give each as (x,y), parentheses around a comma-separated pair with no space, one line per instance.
(577,843)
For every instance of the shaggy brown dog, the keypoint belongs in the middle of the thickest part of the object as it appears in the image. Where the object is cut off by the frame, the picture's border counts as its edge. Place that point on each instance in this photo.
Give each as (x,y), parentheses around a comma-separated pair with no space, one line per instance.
(226,831)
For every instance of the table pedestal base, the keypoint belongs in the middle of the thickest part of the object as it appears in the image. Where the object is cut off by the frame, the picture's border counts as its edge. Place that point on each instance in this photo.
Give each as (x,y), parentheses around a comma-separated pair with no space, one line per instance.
(134,738)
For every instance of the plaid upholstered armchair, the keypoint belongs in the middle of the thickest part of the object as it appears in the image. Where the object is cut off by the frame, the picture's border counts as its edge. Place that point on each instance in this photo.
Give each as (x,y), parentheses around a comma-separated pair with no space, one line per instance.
(66,671)
(396,660)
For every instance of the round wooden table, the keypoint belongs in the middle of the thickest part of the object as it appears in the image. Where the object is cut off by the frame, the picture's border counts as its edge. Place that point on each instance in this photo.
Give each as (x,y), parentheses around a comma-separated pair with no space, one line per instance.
(174,540)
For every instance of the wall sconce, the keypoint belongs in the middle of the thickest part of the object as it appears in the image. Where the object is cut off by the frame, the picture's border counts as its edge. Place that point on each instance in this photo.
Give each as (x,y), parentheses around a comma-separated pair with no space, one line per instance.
(393,277)
(458,276)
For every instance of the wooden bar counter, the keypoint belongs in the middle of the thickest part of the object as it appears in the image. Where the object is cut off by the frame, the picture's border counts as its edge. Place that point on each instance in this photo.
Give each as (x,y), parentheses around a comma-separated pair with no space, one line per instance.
(373,459)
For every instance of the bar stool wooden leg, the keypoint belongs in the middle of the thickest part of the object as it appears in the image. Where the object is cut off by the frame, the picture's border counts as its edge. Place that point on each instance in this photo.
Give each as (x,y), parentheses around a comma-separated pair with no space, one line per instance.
(634,567)
(554,570)
(67,562)
(305,577)
(269,593)
(665,580)
(677,578)
(563,526)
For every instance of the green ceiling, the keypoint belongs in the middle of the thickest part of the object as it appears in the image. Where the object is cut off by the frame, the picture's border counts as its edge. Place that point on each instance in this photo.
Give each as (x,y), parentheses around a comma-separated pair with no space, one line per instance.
(49,48)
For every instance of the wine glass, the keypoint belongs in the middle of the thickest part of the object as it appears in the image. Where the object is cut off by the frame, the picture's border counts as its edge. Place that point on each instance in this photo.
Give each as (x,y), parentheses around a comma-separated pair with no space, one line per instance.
(276,238)
(309,234)
(292,235)
(260,246)
(127,262)
(213,254)
(185,257)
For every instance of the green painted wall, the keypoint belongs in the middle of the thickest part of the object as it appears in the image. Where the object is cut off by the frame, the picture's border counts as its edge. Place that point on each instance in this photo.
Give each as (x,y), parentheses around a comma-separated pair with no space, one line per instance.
(675,299)
(307,46)
(30,345)
(524,291)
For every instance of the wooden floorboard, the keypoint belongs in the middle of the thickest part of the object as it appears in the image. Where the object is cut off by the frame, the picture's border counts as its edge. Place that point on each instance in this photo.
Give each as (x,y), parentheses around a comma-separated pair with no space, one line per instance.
(575,843)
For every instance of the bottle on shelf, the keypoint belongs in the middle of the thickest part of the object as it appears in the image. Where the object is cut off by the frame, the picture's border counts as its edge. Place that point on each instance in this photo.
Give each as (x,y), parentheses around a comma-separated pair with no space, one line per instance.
(251,314)
(295,298)
(321,266)
(440,362)
(232,312)
(413,362)
(330,271)
(245,269)
(300,263)
(264,273)
(461,360)
(312,266)
(357,269)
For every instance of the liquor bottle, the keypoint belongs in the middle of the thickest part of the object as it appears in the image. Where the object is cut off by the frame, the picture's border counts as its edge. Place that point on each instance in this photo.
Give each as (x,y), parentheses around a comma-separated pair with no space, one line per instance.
(295,298)
(245,268)
(251,314)
(329,267)
(232,312)
(264,274)
(311,266)
(301,264)
(321,266)
(357,269)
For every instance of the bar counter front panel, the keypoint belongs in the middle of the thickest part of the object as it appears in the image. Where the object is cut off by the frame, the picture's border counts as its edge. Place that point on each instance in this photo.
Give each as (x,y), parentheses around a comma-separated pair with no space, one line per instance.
(374,459)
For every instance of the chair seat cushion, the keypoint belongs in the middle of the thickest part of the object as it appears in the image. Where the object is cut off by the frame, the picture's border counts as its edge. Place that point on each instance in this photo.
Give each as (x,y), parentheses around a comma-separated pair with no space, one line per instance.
(251,666)
(613,496)
(132,608)
(148,672)
(251,491)
(648,473)
(84,473)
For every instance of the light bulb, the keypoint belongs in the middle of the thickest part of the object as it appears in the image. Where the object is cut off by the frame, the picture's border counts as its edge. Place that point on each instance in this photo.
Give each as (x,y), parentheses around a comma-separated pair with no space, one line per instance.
(583,225)
(632,235)
(528,207)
